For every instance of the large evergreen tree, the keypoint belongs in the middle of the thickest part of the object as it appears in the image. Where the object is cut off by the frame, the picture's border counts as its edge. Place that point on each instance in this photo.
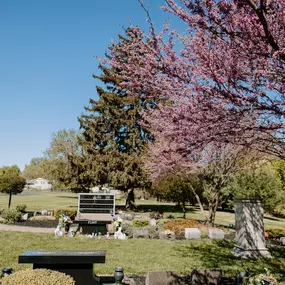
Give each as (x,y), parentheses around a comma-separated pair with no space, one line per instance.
(113,137)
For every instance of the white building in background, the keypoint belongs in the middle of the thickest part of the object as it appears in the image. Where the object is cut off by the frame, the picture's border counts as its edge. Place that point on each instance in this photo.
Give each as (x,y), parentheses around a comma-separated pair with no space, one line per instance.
(110,190)
(38,183)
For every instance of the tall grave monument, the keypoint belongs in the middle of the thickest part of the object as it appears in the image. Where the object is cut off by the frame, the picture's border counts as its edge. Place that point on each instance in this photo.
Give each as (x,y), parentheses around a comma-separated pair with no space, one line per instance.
(250,240)
(95,211)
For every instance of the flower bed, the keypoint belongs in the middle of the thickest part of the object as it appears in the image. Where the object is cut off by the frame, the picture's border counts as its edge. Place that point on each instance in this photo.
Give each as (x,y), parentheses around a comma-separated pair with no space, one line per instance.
(178,226)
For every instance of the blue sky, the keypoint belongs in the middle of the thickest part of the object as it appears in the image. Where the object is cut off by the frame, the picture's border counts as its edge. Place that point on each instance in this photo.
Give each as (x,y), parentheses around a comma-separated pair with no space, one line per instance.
(46,64)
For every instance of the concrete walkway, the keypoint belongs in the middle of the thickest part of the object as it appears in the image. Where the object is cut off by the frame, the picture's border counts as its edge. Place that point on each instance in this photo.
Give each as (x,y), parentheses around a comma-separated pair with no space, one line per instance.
(4,227)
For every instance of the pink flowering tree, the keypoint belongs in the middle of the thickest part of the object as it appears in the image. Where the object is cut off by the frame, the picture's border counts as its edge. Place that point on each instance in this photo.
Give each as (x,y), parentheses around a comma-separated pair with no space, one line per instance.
(225,86)
(228,78)
(210,168)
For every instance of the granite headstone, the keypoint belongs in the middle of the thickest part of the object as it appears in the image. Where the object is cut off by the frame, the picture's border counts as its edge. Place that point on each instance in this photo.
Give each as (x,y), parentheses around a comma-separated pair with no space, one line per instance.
(250,240)
(216,234)
(192,233)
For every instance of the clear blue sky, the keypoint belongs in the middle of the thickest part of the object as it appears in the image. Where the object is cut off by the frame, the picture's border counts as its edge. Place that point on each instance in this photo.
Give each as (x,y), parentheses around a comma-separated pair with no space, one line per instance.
(46,64)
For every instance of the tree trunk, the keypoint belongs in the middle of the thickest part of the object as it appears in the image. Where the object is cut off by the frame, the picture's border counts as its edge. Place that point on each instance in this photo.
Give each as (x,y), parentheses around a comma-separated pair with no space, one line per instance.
(130,200)
(199,203)
(212,214)
(213,206)
(10,198)
(184,209)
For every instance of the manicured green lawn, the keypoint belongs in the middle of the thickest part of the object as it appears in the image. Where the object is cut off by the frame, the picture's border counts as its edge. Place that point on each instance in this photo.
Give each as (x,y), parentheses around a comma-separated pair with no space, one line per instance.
(140,256)
(40,200)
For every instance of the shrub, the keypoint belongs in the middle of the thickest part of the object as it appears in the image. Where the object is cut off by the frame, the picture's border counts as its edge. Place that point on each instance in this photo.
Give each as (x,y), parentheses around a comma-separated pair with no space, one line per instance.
(21,208)
(37,276)
(59,212)
(275,233)
(127,229)
(139,223)
(11,216)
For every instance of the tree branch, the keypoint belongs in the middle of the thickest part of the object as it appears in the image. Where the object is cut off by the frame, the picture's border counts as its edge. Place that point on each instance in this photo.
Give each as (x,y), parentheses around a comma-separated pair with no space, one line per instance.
(260,14)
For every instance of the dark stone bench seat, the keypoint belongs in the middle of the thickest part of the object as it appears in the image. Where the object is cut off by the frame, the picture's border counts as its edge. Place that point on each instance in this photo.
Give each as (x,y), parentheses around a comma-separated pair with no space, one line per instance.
(78,264)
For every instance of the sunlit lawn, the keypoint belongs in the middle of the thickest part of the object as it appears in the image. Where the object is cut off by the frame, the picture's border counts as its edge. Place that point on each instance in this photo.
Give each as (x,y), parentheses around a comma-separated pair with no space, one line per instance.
(37,200)
(141,256)
(136,256)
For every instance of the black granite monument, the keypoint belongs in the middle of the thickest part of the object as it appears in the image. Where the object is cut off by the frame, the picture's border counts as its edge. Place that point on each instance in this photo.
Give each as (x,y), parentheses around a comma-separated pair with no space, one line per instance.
(78,264)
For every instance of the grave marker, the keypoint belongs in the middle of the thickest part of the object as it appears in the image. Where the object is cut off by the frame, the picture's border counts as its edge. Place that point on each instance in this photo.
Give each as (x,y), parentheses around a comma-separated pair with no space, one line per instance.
(216,234)
(77,264)
(96,203)
(143,233)
(192,233)
(95,212)
(250,240)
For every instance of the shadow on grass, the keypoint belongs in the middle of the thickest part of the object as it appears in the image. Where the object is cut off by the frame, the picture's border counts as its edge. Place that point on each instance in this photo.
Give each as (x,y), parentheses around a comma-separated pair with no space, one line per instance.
(217,254)
(164,208)
(67,197)
(272,219)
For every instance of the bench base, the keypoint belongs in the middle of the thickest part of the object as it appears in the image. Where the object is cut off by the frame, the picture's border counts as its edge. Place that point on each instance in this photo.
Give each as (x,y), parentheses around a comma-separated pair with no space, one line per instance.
(81,273)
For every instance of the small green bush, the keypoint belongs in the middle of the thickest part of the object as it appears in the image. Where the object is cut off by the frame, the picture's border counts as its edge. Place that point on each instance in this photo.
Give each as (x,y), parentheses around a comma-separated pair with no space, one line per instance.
(37,277)
(21,208)
(59,212)
(11,216)
(140,223)
(275,233)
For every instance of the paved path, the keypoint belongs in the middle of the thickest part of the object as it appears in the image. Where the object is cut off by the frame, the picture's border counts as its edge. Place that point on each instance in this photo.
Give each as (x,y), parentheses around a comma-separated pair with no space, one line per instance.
(25,229)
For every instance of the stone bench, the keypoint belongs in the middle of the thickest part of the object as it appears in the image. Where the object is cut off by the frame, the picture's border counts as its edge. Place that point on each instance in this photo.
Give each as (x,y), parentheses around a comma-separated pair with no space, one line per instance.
(78,264)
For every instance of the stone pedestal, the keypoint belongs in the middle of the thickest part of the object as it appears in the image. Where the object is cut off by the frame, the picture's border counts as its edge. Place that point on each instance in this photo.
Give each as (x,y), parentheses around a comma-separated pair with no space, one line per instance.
(250,241)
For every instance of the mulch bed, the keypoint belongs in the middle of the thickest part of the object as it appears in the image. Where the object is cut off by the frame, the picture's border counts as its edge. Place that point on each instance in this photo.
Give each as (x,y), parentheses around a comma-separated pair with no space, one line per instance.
(38,223)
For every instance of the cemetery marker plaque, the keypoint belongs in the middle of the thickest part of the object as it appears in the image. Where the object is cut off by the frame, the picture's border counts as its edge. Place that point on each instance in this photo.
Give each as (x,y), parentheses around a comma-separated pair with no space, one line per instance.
(95,203)
(95,211)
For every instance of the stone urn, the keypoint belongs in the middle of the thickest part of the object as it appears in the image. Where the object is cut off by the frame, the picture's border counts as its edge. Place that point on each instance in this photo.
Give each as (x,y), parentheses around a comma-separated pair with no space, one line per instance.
(6,271)
(119,275)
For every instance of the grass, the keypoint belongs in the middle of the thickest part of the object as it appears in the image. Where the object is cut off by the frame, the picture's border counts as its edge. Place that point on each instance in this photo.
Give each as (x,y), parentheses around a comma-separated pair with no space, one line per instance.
(37,200)
(40,200)
(137,256)
(141,256)
(222,218)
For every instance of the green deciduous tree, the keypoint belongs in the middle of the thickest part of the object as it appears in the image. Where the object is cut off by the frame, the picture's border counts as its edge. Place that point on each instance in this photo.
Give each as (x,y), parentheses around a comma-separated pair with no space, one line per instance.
(179,188)
(35,169)
(64,160)
(10,181)
(259,182)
